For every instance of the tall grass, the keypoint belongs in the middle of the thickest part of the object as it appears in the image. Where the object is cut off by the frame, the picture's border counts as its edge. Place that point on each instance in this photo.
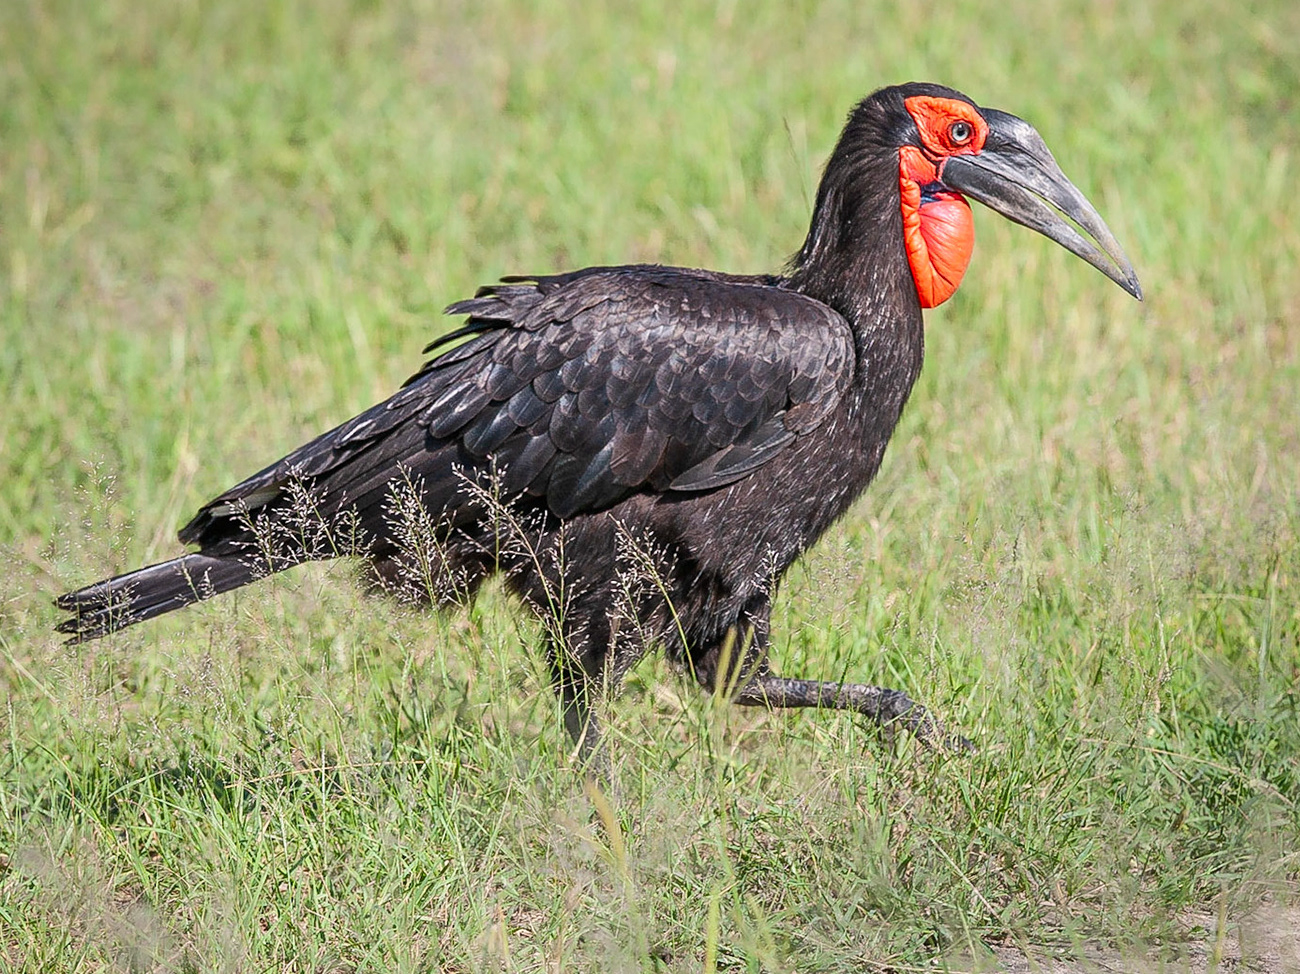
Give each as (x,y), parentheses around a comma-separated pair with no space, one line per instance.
(225,227)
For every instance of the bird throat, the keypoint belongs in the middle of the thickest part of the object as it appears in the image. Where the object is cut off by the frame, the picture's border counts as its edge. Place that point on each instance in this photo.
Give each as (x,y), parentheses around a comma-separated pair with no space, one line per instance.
(938,231)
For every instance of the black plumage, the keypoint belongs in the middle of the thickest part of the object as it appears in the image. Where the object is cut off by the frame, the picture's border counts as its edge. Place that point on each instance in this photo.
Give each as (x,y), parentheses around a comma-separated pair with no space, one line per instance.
(643,451)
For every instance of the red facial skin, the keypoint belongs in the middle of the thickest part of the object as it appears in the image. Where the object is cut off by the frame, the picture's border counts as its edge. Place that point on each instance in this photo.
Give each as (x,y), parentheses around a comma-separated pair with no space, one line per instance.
(939,234)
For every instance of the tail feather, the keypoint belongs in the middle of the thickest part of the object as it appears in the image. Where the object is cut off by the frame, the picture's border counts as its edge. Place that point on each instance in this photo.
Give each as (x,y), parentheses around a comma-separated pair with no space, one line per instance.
(116,603)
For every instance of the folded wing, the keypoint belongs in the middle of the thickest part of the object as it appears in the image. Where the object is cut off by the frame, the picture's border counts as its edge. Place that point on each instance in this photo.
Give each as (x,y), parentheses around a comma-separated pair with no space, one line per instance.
(580,390)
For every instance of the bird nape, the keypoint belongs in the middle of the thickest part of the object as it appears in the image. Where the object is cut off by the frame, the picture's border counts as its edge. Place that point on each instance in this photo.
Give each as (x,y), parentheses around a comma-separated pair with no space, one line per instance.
(643,451)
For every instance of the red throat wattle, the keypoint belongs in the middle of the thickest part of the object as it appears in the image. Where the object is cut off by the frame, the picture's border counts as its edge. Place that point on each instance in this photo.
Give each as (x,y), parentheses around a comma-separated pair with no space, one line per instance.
(938,230)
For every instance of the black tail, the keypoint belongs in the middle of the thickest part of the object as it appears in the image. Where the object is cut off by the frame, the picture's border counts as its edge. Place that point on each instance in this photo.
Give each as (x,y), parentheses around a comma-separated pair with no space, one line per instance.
(116,603)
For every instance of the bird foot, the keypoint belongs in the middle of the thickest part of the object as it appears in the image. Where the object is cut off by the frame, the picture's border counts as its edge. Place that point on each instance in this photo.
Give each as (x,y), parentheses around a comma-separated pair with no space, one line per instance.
(891,709)
(925,727)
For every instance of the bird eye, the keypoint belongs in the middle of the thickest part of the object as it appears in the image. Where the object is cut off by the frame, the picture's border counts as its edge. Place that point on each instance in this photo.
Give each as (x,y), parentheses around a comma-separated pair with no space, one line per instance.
(960,132)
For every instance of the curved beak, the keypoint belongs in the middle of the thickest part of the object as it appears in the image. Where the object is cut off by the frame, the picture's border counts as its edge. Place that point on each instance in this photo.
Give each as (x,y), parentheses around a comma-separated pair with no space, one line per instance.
(1016,175)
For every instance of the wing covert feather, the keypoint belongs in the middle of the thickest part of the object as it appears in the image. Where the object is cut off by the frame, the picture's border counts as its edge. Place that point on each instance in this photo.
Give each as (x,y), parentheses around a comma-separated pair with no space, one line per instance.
(658,379)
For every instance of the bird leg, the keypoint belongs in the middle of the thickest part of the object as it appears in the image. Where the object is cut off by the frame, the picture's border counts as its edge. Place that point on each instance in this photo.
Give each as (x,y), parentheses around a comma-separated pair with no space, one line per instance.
(577,686)
(579,721)
(747,680)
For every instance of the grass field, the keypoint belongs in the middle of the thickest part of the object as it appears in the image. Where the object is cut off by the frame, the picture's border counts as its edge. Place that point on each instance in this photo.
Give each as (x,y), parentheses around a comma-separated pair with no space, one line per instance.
(225,227)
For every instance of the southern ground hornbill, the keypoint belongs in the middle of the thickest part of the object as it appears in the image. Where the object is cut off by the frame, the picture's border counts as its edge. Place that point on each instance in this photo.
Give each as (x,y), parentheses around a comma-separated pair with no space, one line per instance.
(643,451)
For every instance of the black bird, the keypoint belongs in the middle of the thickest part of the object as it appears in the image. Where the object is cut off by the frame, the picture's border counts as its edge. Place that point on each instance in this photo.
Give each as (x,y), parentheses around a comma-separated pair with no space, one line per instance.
(643,451)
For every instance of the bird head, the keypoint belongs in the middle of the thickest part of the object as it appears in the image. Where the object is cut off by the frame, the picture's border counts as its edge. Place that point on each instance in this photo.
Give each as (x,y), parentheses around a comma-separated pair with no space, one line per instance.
(949,149)
(943,149)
